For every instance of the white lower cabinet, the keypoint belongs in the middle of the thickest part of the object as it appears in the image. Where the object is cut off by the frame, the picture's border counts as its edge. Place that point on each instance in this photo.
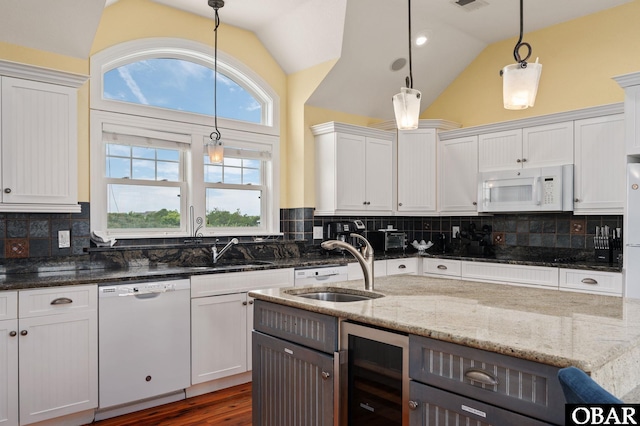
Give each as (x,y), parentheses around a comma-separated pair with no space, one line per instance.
(447,268)
(591,281)
(354,270)
(57,354)
(222,320)
(502,273)
(403,266)
(9,358)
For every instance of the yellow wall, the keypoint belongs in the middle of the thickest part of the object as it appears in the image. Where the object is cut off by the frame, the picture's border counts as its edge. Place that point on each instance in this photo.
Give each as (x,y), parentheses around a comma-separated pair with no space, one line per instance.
(578,59)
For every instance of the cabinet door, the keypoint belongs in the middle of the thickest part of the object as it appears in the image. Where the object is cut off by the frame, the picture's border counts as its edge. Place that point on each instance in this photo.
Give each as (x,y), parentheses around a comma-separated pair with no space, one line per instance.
(417,170)
(292,385)
(9,372)
(218,337)
(458,184)
(500,150)
(350,172)
(600,169)
(58,365)
(379,175)
(39,143)
(549,145)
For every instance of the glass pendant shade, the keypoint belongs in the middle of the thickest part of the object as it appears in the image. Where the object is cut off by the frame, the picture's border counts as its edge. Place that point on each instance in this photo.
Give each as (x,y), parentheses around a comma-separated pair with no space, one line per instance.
(520,85)
(215,151)
(406,106)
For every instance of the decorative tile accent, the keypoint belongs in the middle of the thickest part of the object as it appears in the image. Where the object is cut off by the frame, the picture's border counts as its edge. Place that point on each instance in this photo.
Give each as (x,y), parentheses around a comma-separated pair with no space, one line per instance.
(498,238)
(578,227)
(16,248)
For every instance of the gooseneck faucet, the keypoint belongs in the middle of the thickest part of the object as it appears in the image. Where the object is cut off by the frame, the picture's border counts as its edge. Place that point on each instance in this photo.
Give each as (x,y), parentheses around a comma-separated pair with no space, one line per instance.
(218,254)
(364,256)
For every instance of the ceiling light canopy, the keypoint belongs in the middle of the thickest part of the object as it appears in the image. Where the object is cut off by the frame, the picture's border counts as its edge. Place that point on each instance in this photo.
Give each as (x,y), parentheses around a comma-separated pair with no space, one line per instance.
(406,104)
(520,80)
(215,150)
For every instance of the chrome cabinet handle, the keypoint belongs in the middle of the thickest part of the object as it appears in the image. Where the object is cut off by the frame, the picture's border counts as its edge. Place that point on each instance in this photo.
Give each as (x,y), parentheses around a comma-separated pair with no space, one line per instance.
(7,190)
(413,405)
(61,301)
(325,375)
(13,333)
(24,332)
(481,377)
(589,281)
(443,267)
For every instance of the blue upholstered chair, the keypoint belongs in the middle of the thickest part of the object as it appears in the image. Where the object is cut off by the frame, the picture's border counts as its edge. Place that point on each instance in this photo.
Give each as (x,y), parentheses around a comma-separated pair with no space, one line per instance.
(579,388)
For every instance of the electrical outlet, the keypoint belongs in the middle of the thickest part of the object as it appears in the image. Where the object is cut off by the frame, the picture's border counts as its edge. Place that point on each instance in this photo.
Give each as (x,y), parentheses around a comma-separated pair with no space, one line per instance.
(64,239)
(455,231)
(317,232)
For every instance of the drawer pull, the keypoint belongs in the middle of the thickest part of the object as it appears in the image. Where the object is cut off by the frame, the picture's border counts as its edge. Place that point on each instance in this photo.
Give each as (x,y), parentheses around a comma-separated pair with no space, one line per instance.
(481,377)
(413,405)
(402,266)
(443,267)
(589,281)
(61,301)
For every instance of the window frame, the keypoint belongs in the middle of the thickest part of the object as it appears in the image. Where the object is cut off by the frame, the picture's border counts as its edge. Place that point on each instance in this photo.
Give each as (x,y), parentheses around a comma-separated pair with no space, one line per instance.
(190,128)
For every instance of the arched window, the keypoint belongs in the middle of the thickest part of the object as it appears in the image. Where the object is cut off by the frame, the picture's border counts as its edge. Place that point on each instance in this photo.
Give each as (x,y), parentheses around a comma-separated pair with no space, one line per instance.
(151,113)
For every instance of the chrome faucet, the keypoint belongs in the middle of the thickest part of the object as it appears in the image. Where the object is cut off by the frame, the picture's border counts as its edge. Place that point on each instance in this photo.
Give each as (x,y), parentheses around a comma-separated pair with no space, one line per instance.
(218,254)
(364,256)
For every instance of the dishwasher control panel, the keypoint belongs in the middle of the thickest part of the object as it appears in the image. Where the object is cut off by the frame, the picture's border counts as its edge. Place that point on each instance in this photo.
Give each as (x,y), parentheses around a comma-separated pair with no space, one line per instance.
(150,287)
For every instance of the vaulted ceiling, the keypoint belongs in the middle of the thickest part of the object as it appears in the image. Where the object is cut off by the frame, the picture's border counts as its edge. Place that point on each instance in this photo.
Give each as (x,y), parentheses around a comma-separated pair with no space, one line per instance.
(366,36)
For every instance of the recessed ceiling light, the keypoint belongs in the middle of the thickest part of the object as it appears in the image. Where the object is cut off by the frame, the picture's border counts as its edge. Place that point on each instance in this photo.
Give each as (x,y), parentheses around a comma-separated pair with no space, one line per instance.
(421,39)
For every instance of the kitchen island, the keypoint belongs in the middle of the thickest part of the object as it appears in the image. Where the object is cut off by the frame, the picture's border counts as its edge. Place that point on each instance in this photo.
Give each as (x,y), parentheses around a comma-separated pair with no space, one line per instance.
(599,334)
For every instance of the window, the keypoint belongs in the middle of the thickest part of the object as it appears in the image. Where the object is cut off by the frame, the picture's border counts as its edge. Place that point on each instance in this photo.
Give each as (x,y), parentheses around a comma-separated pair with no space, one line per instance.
(151,102)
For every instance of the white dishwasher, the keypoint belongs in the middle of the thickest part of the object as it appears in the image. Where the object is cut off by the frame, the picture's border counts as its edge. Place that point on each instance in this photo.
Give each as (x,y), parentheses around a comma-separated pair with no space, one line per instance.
(144,340)
(322,274)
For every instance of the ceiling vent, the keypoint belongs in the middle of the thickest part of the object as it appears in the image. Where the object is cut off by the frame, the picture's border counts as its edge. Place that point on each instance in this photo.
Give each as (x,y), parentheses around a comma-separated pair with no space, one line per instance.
(470,5)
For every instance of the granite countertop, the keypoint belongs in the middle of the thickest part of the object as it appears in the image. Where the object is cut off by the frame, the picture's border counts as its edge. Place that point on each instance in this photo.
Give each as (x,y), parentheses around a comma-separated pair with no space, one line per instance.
(599,334)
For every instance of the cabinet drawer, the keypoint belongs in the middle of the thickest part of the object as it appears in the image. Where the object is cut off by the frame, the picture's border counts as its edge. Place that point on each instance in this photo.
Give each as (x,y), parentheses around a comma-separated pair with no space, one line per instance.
(57,300)
(239,282)
(402,266)
(510,274)
(354,270)
(317,331)
(436,407)
(591,281)
(448,267)
(8,305)
(524,386)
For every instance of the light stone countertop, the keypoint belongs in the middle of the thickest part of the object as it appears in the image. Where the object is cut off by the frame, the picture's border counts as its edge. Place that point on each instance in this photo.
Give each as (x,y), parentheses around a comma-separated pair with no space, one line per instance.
(599,334)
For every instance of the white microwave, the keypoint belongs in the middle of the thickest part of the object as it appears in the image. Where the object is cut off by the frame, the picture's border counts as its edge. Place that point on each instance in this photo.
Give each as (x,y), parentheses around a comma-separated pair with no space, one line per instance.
(543,189)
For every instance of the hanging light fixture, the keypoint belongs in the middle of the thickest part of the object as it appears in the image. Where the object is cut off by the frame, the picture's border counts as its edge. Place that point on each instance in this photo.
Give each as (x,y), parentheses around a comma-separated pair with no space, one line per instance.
(520,80)
(406,104)
(215,150)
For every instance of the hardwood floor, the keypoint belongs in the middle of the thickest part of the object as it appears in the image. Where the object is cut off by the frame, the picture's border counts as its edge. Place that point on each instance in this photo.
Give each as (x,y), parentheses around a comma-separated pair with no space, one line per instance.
(227,407)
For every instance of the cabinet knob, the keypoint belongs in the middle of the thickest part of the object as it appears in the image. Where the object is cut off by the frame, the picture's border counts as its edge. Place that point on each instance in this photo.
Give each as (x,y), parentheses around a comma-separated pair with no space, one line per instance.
(24,332)
(577,200)
(518,161)
(400,204)
(251,302)
(368,202)
(524,160)
(244,303)
(13,333)
(413,405)
(364,203)
(325,375)
(475,203)
(7,190)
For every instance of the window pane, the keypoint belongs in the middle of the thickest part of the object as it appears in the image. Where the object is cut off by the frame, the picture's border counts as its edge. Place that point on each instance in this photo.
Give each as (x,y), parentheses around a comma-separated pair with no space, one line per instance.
(168,154)
(180,85)
(139,152)
(118,150)
(235,162)
(136,206)
(141,163)
(236,171)
(233,208)
(144,169)
(168,171)
(251,176)
(232,175)
(212,174)
(118,168)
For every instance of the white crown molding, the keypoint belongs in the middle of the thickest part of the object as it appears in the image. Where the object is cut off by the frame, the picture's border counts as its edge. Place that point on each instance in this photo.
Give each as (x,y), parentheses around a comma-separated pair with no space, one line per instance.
(45,75)
(579,114)
(437,124)
(626,80)
(333,126)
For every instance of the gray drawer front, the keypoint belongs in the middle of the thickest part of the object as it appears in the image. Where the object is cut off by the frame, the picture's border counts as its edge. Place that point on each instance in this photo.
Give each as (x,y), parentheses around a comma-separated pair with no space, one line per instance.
(522,386)
(438,407)
(310,329)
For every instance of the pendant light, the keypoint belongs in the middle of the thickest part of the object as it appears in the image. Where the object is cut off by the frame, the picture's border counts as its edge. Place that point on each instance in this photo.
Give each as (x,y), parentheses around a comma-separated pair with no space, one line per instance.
(215,150)
(406,104)
(520,80)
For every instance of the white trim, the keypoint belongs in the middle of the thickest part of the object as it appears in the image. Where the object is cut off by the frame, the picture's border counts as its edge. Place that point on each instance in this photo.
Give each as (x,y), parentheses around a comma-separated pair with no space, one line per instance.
(45,75)
(626,80)
(579,114)
(159,47)
(437,124)
(333,126)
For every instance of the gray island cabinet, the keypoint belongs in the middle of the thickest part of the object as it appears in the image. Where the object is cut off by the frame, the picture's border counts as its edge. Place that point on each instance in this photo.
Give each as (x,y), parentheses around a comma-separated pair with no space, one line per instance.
(481,353)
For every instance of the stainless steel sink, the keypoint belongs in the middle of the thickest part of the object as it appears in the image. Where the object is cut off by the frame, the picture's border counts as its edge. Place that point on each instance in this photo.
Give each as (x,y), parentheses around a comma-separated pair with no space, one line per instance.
(334,294)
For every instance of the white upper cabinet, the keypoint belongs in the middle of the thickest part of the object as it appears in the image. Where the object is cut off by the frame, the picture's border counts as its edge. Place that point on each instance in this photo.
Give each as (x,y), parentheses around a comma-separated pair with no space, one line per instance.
(38,140)
(354,169)
(417,171)
(458,171)
(539,146)
(600,165)
(631,85)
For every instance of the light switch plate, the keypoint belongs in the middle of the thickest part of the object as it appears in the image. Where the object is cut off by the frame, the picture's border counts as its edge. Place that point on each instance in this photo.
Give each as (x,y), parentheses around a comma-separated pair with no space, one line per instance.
(64,239)
(317,232)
